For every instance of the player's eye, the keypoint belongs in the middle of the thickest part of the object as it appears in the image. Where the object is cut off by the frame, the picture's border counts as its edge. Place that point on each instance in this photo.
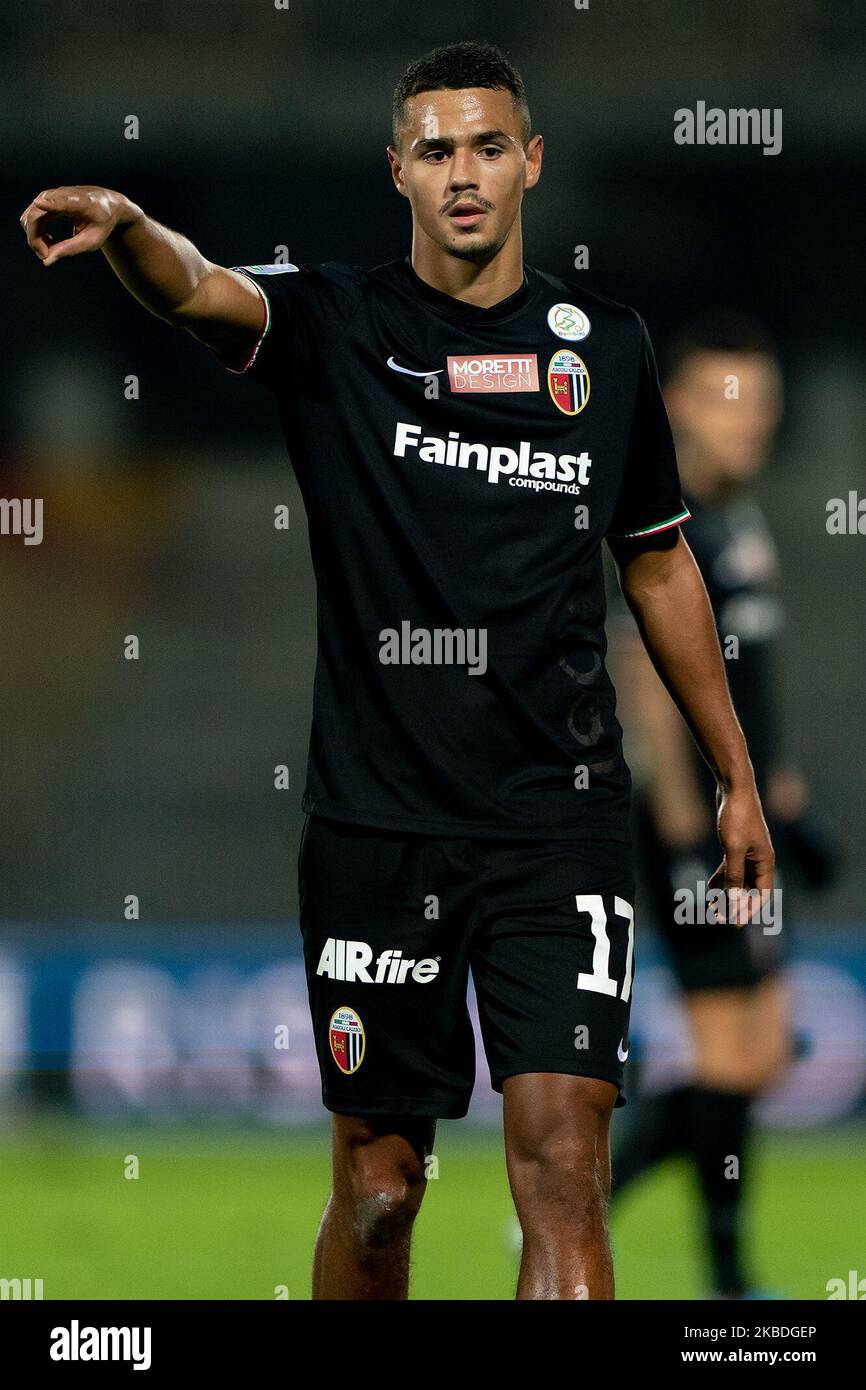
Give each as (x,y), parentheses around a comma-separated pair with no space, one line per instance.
(492,149)
(434,156)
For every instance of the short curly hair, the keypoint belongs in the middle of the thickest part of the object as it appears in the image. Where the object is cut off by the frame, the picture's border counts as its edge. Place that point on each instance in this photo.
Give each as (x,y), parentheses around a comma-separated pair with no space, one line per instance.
(458,65)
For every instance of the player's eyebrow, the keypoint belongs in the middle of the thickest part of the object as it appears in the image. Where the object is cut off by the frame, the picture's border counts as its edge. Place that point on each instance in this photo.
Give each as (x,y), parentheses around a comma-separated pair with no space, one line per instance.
(484,137)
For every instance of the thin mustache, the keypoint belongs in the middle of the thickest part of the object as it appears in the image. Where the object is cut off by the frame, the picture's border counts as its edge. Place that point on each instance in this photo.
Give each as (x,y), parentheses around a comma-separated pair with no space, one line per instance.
(479,203)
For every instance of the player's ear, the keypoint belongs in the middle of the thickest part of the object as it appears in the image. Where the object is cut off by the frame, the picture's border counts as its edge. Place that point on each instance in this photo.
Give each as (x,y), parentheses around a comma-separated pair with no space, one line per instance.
(534,154)
(396,169)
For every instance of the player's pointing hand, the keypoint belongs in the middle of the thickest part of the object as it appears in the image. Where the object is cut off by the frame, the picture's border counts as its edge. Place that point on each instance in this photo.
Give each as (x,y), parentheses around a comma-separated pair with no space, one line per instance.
(94,214)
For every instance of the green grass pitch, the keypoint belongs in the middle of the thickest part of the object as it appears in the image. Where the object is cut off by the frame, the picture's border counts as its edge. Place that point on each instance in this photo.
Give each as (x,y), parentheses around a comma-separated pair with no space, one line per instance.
(233,1215)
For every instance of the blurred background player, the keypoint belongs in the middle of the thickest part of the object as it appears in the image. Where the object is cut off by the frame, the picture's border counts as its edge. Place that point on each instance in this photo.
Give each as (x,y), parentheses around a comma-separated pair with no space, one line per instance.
(724,396)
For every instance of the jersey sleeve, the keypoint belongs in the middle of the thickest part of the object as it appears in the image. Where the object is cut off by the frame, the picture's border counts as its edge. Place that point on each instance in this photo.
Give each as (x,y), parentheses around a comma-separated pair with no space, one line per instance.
(306,306)
(649,498)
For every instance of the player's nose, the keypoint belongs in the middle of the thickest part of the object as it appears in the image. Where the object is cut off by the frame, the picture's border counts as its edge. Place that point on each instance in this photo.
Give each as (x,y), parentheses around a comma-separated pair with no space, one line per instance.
(463,174)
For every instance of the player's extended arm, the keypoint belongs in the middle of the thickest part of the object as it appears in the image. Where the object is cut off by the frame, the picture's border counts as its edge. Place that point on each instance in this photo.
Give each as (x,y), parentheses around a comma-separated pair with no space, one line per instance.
(164,270)
(666,594)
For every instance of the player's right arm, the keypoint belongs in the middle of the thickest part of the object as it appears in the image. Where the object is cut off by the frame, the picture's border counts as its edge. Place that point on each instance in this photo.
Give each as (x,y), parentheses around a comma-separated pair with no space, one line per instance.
(163,269)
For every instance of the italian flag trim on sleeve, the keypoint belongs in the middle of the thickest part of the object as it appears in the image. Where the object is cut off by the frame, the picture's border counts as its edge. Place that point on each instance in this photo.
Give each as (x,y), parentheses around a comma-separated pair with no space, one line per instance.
(684,515)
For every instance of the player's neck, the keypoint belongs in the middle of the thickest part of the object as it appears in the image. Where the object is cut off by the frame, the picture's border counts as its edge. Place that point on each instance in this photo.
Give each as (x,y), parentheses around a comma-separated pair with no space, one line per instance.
(482,283)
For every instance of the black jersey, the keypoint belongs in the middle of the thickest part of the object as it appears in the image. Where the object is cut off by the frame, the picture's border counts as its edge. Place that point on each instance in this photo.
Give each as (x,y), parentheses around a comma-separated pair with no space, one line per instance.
(737,557)
(460,467)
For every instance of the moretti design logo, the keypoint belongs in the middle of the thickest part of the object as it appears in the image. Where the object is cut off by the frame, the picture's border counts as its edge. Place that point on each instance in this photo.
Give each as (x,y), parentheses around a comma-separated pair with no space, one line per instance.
(347,1038)
(568,382)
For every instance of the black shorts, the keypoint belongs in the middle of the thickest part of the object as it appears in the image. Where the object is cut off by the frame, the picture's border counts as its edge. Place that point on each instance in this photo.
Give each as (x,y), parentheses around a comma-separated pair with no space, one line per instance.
(392,923)
(703,955)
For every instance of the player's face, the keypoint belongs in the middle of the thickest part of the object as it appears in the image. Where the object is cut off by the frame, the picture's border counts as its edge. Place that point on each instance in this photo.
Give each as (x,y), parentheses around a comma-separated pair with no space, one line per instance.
(726,407)
(463,167)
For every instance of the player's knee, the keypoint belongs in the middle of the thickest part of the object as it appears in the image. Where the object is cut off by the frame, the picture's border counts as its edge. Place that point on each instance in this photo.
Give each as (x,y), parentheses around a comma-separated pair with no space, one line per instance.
(383,1210)
(381,1195)
(558,1176)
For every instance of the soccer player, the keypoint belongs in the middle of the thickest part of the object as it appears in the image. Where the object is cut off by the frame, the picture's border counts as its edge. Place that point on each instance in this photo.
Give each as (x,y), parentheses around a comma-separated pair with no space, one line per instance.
(466,430)
(723,390)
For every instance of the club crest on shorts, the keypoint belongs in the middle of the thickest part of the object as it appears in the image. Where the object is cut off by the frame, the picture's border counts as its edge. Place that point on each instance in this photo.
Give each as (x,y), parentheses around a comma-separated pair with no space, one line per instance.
(568,382)
(347,1039)
(567,321)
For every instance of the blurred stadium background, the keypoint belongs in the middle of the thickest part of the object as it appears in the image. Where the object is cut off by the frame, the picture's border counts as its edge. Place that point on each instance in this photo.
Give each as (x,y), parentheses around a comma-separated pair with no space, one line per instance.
(154,1037)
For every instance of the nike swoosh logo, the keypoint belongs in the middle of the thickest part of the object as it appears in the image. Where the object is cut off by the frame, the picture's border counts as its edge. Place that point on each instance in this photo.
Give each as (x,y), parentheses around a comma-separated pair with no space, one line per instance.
(408,370)
(623,1056)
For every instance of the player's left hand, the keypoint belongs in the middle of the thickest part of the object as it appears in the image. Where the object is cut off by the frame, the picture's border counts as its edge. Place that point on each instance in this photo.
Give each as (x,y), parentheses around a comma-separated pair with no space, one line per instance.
(746,871)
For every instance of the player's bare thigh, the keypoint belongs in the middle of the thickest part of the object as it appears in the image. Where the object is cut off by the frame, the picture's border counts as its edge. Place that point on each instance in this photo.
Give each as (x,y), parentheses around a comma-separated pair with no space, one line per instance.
(741,1036)
(553,1118)
(558,1156)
